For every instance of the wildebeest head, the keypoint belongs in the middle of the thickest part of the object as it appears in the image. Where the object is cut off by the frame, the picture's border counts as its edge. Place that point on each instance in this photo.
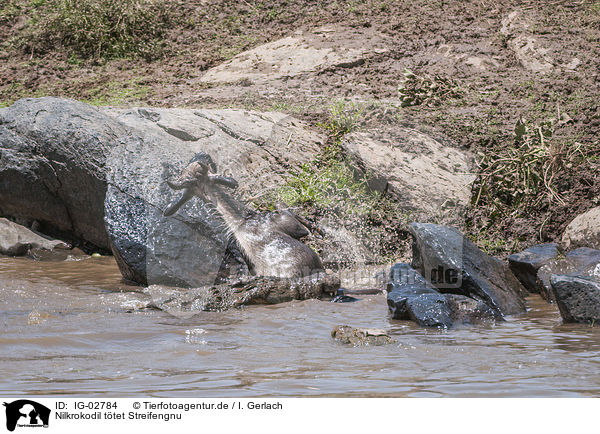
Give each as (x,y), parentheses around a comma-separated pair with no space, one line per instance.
(195,180)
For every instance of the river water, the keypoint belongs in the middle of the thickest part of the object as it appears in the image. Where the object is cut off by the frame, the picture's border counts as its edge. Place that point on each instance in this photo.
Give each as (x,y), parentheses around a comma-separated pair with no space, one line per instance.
(72,328)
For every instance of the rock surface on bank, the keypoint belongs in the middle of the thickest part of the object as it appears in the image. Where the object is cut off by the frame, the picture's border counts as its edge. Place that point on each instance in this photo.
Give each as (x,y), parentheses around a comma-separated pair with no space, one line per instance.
(429,180)
(583,231)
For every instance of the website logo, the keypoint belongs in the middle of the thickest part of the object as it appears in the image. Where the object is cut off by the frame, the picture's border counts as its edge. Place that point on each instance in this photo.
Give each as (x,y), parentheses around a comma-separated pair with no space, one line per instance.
(26,413)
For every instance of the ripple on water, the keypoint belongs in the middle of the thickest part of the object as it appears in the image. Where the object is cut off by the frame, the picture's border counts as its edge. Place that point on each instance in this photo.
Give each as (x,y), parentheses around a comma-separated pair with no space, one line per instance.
(80,330)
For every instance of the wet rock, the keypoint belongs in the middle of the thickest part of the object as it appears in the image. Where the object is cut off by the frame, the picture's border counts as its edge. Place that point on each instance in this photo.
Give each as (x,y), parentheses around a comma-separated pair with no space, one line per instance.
(294,55)
(428,179)
(191,248)
(411,297)
(526,264)
(360,337)
(98,176)
(17,240)
(52,166)
(467,310)
(453,264)
(583,261)
(253,290)
(583,231)
(577,297)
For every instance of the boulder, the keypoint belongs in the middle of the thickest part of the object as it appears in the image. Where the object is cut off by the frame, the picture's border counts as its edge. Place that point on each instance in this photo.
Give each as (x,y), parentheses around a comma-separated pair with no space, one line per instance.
(526,264)
(583,231)
(191,248)
(453,264)
(97,177)
(292,56)
(582,261)
(360,337)
(17,240)
(430,180)
(577,298)
(411,297)
(53,166)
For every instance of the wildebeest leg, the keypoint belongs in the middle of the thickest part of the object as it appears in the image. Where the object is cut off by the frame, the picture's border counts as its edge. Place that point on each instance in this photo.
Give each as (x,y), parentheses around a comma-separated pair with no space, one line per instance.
(177,203)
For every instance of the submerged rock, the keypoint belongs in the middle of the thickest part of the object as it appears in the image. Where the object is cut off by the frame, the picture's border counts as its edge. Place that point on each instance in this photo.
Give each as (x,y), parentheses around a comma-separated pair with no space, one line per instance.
(577,298)
(360,337)
(526,264)
(467,310)
(341,297)
(453,264)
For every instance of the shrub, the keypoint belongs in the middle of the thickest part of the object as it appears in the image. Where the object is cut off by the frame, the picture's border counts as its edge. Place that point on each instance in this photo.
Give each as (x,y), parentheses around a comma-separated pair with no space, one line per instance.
(521,178)
(98,28)
(424,89)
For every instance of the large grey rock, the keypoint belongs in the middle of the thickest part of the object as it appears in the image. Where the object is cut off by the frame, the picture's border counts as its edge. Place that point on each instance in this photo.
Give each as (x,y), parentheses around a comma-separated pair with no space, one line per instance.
(583,231)
(411,297)
(190,247)
(17,240)
(66,164)
(258,149)
(431,181)
(577,298)
(298,54)
(453,264)
(582,261)
(526,264)
(52,166)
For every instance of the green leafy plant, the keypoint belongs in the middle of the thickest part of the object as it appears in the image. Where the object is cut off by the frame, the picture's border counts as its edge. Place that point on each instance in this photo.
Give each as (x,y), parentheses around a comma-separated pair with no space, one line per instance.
(524,174)
(344,117)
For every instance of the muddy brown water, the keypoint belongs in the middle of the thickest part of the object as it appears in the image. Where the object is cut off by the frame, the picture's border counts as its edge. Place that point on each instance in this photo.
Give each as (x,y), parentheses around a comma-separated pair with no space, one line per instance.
(71,328)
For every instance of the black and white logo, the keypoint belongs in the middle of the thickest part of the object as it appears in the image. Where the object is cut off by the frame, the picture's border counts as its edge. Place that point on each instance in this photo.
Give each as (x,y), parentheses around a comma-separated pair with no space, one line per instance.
(26,413)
